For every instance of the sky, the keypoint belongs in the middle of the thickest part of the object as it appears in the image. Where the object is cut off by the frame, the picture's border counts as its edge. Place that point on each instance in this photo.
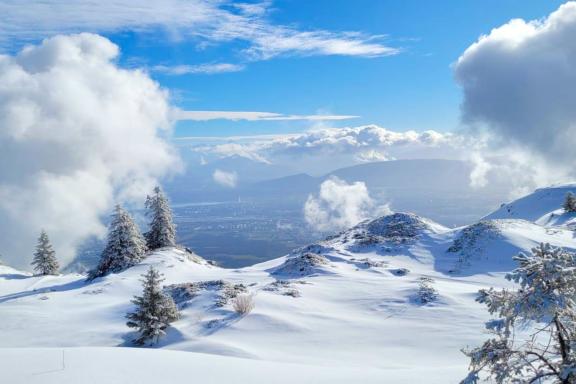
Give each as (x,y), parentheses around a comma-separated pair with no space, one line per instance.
(100,101)
(408,85)
(411,90)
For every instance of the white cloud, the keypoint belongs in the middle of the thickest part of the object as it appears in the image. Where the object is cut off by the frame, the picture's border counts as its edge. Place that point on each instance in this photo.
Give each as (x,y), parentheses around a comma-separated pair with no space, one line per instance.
(519,84)
(207,21)
(207,69)
(225,179)
(329,148)
(340,205)
(251,116)
(76,132)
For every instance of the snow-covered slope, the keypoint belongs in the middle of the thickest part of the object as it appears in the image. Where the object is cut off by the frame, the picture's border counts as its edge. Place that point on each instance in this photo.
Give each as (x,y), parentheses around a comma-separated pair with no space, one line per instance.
(348,309)
(543,207)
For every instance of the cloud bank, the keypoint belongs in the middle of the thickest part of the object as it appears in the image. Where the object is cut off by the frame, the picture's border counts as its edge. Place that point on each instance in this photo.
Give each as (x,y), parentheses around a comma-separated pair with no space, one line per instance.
(206,21)
(519,86)
(326,149)
(340,205)
(76,133)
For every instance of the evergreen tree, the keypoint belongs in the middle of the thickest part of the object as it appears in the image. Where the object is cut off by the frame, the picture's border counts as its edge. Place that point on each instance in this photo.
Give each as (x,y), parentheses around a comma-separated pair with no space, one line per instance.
(569,203)
(544,302)
(44,261)
(162,231)
(154,310)
(125,245)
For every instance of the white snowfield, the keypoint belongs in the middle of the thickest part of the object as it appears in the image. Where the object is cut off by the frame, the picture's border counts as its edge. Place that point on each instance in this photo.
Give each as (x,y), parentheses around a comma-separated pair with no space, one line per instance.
(346,310)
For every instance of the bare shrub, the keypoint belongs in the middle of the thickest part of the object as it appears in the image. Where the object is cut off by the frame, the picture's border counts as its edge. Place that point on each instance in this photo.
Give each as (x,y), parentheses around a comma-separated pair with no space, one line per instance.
(243,304)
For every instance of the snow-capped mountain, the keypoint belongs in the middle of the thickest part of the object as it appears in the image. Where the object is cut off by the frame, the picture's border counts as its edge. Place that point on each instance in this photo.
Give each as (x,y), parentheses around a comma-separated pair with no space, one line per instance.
(390,300)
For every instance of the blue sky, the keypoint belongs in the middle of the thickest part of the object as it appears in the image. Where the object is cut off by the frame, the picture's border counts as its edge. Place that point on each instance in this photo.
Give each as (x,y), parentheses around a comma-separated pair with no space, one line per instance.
(410,89)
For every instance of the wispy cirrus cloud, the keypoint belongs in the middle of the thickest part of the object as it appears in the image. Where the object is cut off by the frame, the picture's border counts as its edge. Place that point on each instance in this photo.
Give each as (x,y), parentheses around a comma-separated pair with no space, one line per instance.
(206,69)
(252,116)
(204,21)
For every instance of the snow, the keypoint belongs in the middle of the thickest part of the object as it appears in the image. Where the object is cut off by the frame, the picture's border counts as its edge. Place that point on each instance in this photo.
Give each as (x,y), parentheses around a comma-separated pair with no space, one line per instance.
(350,317)
(537,206)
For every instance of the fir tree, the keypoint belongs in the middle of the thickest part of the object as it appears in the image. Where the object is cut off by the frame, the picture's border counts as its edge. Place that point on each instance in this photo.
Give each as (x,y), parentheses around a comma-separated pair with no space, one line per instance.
(154,310)
(162,231)
(544,302)
(569,203)
(125,245)
(44,261)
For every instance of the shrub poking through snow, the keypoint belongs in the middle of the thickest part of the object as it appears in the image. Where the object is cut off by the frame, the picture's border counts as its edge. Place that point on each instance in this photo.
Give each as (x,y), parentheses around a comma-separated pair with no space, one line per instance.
(162,231)
(569,202)
(243,304)
(546,303)
(426,292)
(284,287)
(154,310)
(302,265)
(184,292)
(471,242)
(125,246)
(44,261)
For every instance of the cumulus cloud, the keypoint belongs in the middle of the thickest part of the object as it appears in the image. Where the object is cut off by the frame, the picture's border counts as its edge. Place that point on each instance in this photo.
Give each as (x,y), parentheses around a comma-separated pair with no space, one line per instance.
(519,84)
(225,179)
(76,133)
(340,205)
(206,21)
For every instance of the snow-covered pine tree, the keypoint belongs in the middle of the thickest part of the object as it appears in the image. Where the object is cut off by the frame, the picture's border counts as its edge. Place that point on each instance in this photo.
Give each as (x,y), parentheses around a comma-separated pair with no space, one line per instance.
(125,245)
(546,303)
(44,261)
(154,310)
(162,231)
(569,203)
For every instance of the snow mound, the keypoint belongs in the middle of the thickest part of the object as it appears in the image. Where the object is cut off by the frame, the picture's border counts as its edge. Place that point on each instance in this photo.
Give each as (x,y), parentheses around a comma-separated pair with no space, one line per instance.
(303,265)
(473,237)
(392,230)
(537,206)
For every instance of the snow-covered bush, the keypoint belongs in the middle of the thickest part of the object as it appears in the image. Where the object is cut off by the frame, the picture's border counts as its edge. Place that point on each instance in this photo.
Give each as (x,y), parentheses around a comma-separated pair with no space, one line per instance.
(546,303)
(243,304)
(472,241)
(569,203)
(302,265)
(284,287)
(154,310)
(393,230)
(44,261)
(400,226)
(125,246)
(162,231)
(426,292)
(184,292)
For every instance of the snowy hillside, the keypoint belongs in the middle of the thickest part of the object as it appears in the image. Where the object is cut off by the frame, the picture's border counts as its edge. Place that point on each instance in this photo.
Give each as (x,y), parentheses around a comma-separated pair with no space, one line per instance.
(542,207)
(390,300)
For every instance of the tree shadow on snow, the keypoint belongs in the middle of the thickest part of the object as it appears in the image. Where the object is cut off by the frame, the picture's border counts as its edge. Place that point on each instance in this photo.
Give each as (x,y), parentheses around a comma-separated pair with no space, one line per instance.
(53,288)
(14,276)
(216,325)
